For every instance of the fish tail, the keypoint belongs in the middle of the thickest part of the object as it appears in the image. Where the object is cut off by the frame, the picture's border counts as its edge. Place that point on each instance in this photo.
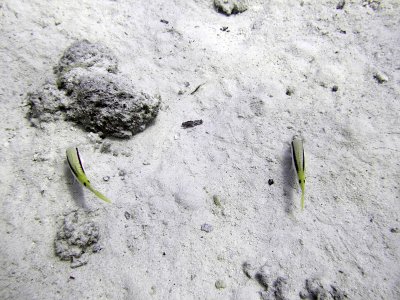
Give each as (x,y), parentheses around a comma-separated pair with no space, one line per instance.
(98,194)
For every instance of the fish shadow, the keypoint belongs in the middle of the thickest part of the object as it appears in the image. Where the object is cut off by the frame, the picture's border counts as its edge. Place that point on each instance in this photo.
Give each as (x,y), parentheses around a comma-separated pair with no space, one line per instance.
(289,179)
(75,188)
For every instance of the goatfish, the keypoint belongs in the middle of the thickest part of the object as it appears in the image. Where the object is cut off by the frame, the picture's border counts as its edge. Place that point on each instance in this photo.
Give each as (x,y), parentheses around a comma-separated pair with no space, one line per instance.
(300,164)
(75,164)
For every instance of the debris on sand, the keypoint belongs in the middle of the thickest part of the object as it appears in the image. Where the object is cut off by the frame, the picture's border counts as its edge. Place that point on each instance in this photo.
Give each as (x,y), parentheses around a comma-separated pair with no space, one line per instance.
(189,124)
(76,237)
(207,227)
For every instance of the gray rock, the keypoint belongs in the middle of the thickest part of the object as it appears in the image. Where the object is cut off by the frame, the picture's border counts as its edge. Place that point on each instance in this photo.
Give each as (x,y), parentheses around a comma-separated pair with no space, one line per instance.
(107,103)
(83,54)
(77,235)
(93,94)
(229,7)
(46,104)
(380,77)
(206,227)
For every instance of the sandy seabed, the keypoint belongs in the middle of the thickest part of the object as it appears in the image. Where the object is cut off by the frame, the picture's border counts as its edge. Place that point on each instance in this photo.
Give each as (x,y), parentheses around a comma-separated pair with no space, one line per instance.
(193,215)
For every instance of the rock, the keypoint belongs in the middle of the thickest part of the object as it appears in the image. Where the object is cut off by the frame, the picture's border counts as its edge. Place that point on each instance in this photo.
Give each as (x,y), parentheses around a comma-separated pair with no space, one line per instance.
(394,230)
(340,4)
(107,103)
(229,7)
(206,227)
(380,77)
(189,124)
(83,54)
(290,91)
(217,201)
(46,104)
(220,284)
(105,147)
(127,215)
(92,93)
(77,235)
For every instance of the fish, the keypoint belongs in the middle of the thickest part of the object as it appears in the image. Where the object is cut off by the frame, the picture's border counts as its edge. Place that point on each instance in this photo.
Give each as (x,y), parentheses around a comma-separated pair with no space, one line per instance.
(299,164)
(75,164)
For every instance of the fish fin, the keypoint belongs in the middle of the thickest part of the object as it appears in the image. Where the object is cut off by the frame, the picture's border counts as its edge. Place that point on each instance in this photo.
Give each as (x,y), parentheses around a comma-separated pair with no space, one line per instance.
(98,194)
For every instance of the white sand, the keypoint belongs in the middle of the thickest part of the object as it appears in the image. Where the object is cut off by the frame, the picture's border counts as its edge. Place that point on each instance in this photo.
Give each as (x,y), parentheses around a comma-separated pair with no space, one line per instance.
(352,139)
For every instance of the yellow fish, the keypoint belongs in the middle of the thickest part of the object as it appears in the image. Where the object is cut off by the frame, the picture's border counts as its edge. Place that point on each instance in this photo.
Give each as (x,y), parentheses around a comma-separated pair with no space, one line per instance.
(75,164)
(300,164)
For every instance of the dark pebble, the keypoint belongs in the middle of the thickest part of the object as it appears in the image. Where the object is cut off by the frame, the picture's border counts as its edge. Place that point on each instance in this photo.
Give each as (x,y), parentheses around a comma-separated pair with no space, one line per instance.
(189,124)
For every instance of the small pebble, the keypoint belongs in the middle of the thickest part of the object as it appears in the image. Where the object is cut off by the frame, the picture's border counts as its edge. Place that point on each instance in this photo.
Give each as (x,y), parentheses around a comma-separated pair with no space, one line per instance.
(106,178)
(380,77)
(395,230)
(216,200)
(96,248)
(121,173)
(105,147)
(189,124)
(341,4)
(335,88)
(220,284)
(270,181)
(206,227)
(289,91)
(127,215)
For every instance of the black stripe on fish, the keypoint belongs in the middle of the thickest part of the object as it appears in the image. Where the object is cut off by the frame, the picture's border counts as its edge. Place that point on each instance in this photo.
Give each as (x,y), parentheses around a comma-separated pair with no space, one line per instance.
(80,162)
(304,162)
(72,169)
(294,159)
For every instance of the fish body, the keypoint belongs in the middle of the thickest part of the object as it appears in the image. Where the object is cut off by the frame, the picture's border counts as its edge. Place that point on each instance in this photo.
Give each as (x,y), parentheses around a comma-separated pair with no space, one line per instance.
(299,164)
(75,164)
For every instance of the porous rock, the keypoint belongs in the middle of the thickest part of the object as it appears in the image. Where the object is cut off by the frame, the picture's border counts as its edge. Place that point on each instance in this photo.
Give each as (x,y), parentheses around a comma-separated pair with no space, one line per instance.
(229,7)
(92,93)
(47,104)
(83,54)
(77,234)
(107,103)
